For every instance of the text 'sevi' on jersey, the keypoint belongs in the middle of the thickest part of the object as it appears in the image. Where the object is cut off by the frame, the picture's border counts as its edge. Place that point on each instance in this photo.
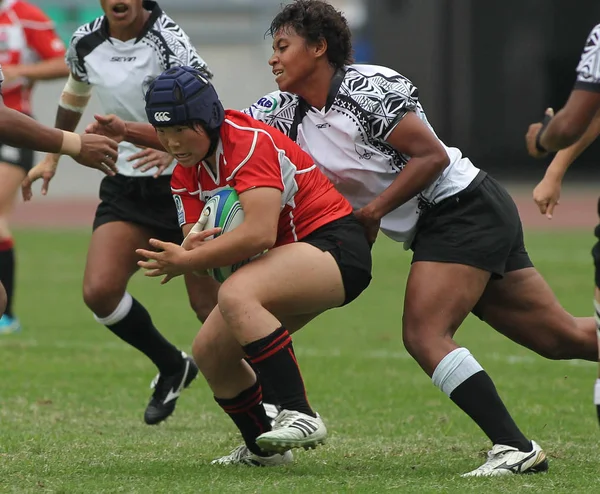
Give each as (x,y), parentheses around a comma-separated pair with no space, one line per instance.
(119,70)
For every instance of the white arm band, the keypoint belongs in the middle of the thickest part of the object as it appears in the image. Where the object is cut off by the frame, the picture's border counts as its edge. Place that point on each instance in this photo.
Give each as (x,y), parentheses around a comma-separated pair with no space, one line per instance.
(75,95)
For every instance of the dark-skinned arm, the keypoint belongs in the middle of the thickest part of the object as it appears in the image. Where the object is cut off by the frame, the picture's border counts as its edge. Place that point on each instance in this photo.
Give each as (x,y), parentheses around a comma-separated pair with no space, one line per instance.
(428,159)
(570,123)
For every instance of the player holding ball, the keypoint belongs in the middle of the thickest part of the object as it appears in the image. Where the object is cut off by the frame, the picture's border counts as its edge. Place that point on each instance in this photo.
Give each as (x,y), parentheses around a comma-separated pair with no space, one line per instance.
(318,257)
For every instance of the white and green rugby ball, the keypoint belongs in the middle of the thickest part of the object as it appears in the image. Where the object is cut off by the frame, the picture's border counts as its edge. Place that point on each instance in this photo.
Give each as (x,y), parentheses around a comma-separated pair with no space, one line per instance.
(223,210)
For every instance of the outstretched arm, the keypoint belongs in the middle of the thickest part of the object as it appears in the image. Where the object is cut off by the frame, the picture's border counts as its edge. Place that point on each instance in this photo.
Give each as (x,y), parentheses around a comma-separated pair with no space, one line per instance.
(138,133)
(19,130)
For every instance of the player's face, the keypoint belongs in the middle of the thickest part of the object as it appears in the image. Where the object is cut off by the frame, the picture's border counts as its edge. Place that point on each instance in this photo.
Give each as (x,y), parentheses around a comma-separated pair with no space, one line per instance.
(122,12)
(292,61)
(187,145)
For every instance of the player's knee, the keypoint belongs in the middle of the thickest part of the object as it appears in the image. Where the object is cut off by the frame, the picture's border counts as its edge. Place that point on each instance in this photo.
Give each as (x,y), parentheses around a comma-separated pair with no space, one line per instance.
(3,299)
(233,298)
(413,338)
(101,298)
(555,350)
(569,342)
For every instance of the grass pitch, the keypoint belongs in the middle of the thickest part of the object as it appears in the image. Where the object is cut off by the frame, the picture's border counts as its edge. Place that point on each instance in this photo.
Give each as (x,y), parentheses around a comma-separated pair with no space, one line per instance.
(72,395)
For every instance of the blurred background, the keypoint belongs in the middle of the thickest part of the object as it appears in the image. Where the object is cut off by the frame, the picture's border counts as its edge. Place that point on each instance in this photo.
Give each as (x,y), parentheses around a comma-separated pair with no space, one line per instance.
(485,70)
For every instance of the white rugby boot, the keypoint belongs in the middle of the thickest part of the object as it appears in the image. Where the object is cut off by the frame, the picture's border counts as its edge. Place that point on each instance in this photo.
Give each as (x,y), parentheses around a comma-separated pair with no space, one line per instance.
(271,410)
(506,460)
(292,429)
(243,456)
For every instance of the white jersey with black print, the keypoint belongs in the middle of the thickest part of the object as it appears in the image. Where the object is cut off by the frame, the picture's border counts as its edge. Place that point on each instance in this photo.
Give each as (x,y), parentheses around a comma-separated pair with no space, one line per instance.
(118,69)
(347,139)
(588,70)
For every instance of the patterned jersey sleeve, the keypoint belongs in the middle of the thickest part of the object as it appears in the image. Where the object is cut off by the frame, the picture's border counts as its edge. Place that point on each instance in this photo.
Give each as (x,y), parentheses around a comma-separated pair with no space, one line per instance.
(391,98)
(186,194)
(180,47)
(588,70)
(276,109)
(76,50)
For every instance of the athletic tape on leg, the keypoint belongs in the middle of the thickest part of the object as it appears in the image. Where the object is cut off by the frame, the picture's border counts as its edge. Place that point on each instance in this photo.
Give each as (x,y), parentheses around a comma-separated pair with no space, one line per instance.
(454,369)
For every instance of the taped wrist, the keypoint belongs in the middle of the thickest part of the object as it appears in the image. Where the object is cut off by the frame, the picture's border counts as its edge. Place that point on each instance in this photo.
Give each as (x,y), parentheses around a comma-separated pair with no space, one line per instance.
(75,95)
(71,144)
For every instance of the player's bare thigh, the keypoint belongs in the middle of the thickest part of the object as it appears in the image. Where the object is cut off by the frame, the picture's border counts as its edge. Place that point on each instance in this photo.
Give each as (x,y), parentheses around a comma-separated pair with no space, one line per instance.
(293,279)
(523,307)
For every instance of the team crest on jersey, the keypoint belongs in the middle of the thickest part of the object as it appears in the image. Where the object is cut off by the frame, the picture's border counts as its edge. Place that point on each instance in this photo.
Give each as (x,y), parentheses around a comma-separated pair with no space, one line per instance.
(266,104)
(180,210)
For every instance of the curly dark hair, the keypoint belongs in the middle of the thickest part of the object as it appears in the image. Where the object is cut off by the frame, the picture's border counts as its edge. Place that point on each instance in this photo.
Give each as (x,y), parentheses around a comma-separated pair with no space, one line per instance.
(317,20)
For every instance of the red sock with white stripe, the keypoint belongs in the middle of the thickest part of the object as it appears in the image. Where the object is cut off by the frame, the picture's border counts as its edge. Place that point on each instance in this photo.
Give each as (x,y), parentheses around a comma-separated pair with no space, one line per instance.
(273,356)
(248,415)
(7,271)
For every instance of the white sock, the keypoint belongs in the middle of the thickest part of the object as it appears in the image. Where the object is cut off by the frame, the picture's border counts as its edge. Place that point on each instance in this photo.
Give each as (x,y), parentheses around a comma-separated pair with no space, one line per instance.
(454,369)
(119,313)
(597,392)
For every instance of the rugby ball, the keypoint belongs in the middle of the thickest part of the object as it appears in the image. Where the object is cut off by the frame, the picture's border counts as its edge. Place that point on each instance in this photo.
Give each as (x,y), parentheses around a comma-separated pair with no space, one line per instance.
(223,210)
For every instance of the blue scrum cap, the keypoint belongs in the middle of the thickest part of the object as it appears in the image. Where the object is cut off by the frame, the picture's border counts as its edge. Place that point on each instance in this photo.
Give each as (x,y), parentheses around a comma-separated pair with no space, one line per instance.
(181,95)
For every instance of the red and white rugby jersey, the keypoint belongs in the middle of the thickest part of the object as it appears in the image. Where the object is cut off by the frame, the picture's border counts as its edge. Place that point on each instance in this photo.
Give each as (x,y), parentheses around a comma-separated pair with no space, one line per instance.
(252,154)
(26,35)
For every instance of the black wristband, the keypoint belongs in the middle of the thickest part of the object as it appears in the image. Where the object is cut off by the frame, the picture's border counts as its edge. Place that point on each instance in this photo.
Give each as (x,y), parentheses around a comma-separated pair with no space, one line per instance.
(538,137)
(538,144)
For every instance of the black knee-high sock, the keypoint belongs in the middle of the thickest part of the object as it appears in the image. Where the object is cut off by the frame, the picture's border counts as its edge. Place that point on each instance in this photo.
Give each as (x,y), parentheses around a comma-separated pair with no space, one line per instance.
(248,415)
(273,357)
(478,398)
(268,393)
(7,272)
(137,329)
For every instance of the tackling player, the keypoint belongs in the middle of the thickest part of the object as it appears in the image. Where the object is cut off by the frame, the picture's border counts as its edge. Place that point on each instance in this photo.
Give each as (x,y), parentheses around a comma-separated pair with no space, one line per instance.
(570,132)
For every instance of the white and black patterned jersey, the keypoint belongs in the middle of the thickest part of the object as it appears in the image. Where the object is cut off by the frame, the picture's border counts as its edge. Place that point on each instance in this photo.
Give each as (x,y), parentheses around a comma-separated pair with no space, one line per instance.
(588,69)
(119,69)
(347,139)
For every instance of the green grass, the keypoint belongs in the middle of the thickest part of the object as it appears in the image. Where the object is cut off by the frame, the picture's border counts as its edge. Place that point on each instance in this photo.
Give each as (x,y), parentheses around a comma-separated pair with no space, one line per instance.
(72,395)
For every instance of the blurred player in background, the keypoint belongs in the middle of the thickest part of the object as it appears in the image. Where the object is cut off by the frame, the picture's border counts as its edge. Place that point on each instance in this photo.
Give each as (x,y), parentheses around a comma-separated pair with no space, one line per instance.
(30,51)
(134,40)
(570,132)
